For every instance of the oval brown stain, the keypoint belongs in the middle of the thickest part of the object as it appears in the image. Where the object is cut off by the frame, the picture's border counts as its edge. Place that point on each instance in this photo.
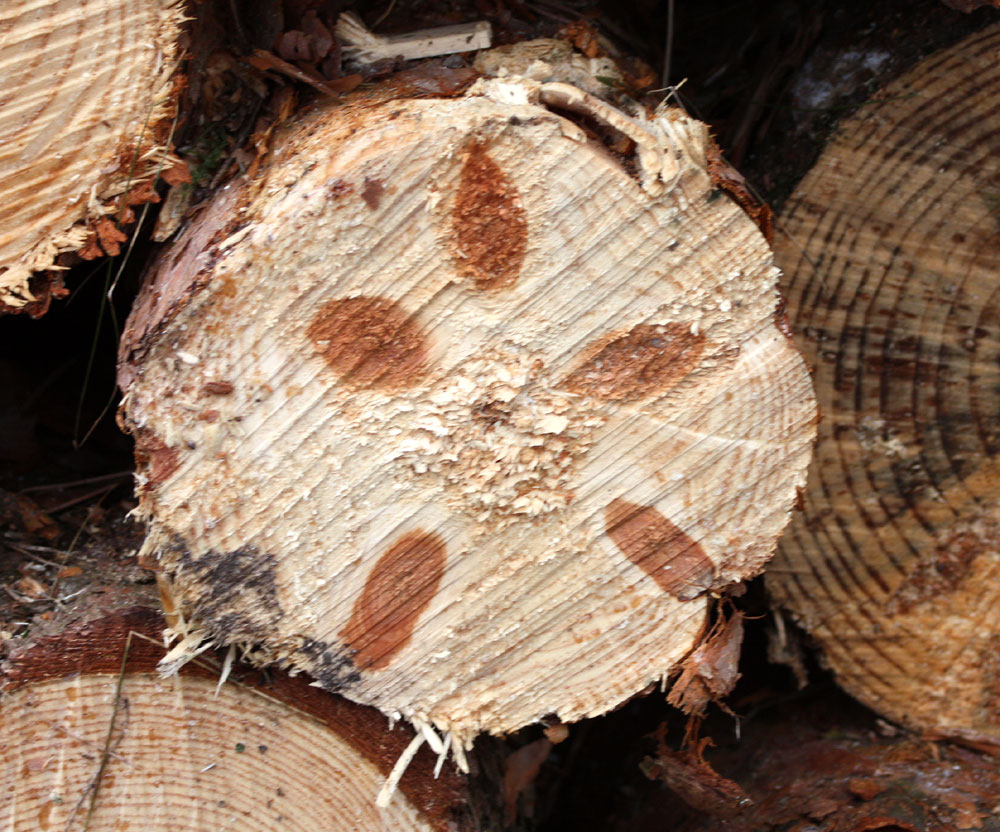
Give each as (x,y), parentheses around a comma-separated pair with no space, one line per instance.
(397,592)
(369,341)
(647,360)
(488,224)
(659,548)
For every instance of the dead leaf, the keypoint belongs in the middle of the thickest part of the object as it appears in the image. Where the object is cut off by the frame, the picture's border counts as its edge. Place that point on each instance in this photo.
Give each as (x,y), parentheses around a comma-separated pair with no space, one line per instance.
(320,37)
(91,250)
(16,509)
(141,194)
(583,36)
(31,588)
(69,572)
(109,236)
(177,174)
(293,45)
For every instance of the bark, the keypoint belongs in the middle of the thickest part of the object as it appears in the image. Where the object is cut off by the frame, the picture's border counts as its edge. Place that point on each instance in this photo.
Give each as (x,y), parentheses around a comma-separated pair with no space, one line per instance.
(87,110)
(891,260)
(467,406)
(95,739)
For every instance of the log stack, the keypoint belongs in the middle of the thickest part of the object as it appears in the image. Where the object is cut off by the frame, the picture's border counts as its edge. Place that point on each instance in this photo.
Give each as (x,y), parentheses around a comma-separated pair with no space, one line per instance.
(468,406)
(891,261)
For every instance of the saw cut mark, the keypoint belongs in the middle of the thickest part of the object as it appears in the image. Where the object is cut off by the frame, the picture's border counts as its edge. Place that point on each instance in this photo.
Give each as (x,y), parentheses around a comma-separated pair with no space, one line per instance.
(648,360)
(397,592)
(370,342)
(488,224)
(659,548)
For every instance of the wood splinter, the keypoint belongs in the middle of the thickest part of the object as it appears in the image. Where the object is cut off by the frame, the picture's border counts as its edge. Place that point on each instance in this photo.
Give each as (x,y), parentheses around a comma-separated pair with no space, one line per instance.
(89,100)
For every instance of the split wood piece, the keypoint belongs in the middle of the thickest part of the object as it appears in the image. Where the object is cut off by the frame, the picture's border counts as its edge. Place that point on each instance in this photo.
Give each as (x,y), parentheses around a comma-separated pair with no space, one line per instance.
(891,266)
(87,106)
(461,413)
(362,45)
(178,754)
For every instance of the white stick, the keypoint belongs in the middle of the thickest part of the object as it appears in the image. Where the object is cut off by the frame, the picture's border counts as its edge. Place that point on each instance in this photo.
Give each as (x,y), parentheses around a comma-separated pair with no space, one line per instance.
(367,47)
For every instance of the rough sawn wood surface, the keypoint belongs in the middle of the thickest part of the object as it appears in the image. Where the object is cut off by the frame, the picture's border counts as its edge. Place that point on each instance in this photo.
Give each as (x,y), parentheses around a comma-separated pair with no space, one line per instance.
(87,105)
(462,413)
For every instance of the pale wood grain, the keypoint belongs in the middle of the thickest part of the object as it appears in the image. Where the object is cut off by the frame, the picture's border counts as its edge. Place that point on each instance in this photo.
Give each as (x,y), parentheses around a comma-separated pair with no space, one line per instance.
(891,266)
(85,93)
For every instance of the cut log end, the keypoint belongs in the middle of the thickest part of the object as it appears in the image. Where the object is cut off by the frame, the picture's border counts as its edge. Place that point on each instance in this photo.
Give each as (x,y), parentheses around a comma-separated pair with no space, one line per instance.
(88,107)
(891,281)
(93,735)
(484,439)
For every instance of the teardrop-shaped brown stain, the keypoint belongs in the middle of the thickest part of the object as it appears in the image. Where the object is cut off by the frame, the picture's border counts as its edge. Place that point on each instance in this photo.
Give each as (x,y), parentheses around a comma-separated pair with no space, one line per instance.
(370,341)
(488,224)
(397,592)
(659,548)
(647,360)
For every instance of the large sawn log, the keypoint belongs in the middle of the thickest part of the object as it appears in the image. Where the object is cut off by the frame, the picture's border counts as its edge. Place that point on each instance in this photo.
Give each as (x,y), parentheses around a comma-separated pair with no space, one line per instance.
(467,406)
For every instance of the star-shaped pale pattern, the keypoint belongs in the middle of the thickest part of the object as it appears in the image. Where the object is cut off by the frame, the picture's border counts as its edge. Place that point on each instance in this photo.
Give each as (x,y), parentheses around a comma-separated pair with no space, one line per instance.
(463,414)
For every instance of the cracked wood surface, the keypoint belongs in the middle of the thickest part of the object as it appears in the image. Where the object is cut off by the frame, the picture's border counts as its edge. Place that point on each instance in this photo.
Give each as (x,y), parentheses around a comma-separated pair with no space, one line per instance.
(463,413)
(891,263)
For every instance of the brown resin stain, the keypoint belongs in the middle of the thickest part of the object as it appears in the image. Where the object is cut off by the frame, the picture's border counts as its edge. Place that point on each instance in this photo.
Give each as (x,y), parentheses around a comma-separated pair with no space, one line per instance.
(217,388)
(659,548)
(151,452)
(397,592)
(648,360)
(369,341)
(372,193)
(488,224)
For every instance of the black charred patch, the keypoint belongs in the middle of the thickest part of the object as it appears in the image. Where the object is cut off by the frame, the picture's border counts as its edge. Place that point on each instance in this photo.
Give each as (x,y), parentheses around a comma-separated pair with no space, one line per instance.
(331,666)
(234,595)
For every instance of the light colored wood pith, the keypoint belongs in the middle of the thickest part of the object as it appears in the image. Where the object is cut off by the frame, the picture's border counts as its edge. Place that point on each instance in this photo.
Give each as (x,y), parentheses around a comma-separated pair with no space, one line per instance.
(460,343)
(86,92)
(891,267)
